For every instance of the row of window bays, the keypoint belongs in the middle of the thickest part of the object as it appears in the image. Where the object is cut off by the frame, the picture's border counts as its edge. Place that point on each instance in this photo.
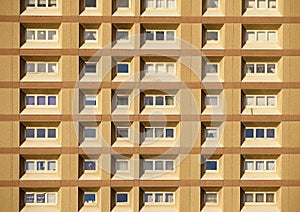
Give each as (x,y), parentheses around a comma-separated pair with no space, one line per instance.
(149,68)
(153,36)
(150,167)
(151,7)
(120,198)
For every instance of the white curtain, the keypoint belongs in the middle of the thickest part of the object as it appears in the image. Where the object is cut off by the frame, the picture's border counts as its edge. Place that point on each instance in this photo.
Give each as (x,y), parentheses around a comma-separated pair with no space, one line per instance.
(149,3)
(270,165)
(249,165)
(260,165)
(51,198)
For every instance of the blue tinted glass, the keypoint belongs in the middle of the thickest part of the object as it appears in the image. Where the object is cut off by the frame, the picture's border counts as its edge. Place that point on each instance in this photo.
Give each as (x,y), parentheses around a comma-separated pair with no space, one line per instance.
(148,100)
(123,68)
(29,198)
(249,133)
(41,133)
(89,165)
(40,198)
(89,198)
(29,133)
(122,198)
(169,133)
(30,100)
(51,133)
(211,165)
(270,133)
(260,133)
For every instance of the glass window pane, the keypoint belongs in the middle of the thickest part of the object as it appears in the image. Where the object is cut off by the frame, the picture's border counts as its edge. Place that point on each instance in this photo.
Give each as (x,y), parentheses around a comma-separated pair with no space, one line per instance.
(51,198)
(122,69)
(170,100)
(211,133)
(149,3)
(149,132)
(160,68)
(90,35)
(160,4)
(148,197)
(250,4)
(169,197)
(123,100)
(249,165)
(261,3)
(212,3)
(90,68)
(211,68)
(29,165)
(30,67)
(249,68)
(250,36)
(249,133)
(271,101)
(270,165)
(149,35)
(51,3)
(270,133)
(260,101)
(91,100)
(250,101)
(41,3)
(52,35)
(148,165)
(170,35)
(122,165)
(259,197)
(150,68)
(260,165)
(123,3)
(90,133)
(51,165)
(212,36)
(30,35)
(89,165)
(159,165)
(171,4)
(170,68)
(51,68)
(211,198)
(271,68)
(160,35)
(122,35)
(51,133)
(89,198)
(41,35)
(169,165)
(272,36)
(41,133)
(30,100)
(211,101)
(122,197)
(159,132)
(41,67)
(40,166)
(41,100)
(260,68)
(169,133)
(51,100)
(272,4)
(159,197)
(249,198)
(211,165)
(261,36)
(270,198)
(159,100)
(90,3)
(260,133)
(29,133)
(29,198)
(148,100)
(122,132)
(30,3)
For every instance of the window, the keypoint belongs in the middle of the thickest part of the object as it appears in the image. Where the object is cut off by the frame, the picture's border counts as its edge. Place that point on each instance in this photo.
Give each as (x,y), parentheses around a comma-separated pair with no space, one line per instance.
(90,198)
(212,36)
(159,198)
(40,133)
(159,132)
(151,100)
(259,197)
(41,34)
(260,101)
(90,3)
(260,68)
(211,165)
(260,165)
(90,68)
(212,68)
(159,165)
(211,198)
(160,3)
(41,67)
(122,100)
(261,4)
(122,68)
(212,4)
(41,3)
(160,68)
(122,165)
(123,3)
(90,101)
(160,35)
(90,133)
(260,133)
(261,36)
(211,101)
(122,198)
(122,132)
(41,100)
(90,165)
(40,166)
(40,198)
(211,133)
(90,35)
(122,35)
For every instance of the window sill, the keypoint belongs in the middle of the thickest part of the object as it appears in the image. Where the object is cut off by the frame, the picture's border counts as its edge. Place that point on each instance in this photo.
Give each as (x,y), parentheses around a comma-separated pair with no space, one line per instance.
(216,45)
(212,176)
(88,144)
(260,207)
(260,143)
(123,45)
(40,176)
(164,45)
(123,143)
(43,143)
(41,12)
(160,77)
(123,78)
(91,12)
(160,110)
(160,143)
(261,78)
(211,208)
(39,208)
(160,12)
(261,12)
(90,176)
(260,176)
(122,208)
(123,12)
(159,207)
(212,78)
(122,176)
(90,208)
(163,175)
(261,110)
(90,111)
(91,45)
(213,110)
(122,111)
(91,78)
(212,143)
(213,12)
(261,45)
(41,45)
(40,111)
(41,78)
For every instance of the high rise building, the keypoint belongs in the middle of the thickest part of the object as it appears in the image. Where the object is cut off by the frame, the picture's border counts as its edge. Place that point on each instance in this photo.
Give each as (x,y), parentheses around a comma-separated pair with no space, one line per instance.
(149,105)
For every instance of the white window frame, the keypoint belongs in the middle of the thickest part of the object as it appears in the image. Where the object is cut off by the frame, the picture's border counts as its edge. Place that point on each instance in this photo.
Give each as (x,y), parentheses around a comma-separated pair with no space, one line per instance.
(123,74)
(212,74)
(164,99)
(122,203)
(90,203)
(46,166)
(255,100)
(123,41)
(89,138)
(258,170)
(258,8)
(46,101)
(165,133)
(35,64)
(36,35)
(47,5)
(212,96)
(155,5)
(91,30)
(124,138)
(91,8)
(164,165)
(86,96)
(165,36)
(90,63)
(159,203)
(46,198)
(122,160)
(156,71)
(46,133)
(266,69)
(211,203)
(211,128)
(123,106)
(129,5)
(90,171)
(259,203)
(212,171)
(213,41)
(265,132)
(256,36)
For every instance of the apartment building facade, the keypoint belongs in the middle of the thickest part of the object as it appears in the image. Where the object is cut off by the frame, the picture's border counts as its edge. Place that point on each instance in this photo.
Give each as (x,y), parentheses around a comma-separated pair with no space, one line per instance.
(149,105)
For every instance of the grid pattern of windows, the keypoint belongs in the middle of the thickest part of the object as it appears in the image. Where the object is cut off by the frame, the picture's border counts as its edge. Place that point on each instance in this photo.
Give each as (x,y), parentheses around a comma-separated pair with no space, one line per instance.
(159,132)
(41,100)
(41,67)
(160,35)
(260,165)
(160,68)
(260,100)
(159,165)
(41,34)
(40,198)
(261,36)
(257,133)
(261,4)
(41,133)
(41,3)
(259,197)
(260,68)
(155,100)
(41,165)
(160,3)
(159,198)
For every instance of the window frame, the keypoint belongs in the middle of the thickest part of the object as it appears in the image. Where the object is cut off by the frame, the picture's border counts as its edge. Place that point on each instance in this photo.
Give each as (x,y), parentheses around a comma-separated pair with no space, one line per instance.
(123,106)
(255,69)
(211,203)
(160,8)
(265,133)
(256,36)
(212,171)
(165,133)
(90,8)
(164,101)
(90,171)
(212,74)
(259,106)
(122,160)
(91,41)
(123,138)
(123,63)
(46,7)
(46,166)
(255,170)
(155,38)
(92,203)
(259,8)
(159,203)
(155,70)
(164,165)
(46,198)
(213,41)
(123,40)
(211,128)
(90,63)
(46,101)
(259,203)
(46,133)
(36,35)
(36,72)
(90,96)
(212,96)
